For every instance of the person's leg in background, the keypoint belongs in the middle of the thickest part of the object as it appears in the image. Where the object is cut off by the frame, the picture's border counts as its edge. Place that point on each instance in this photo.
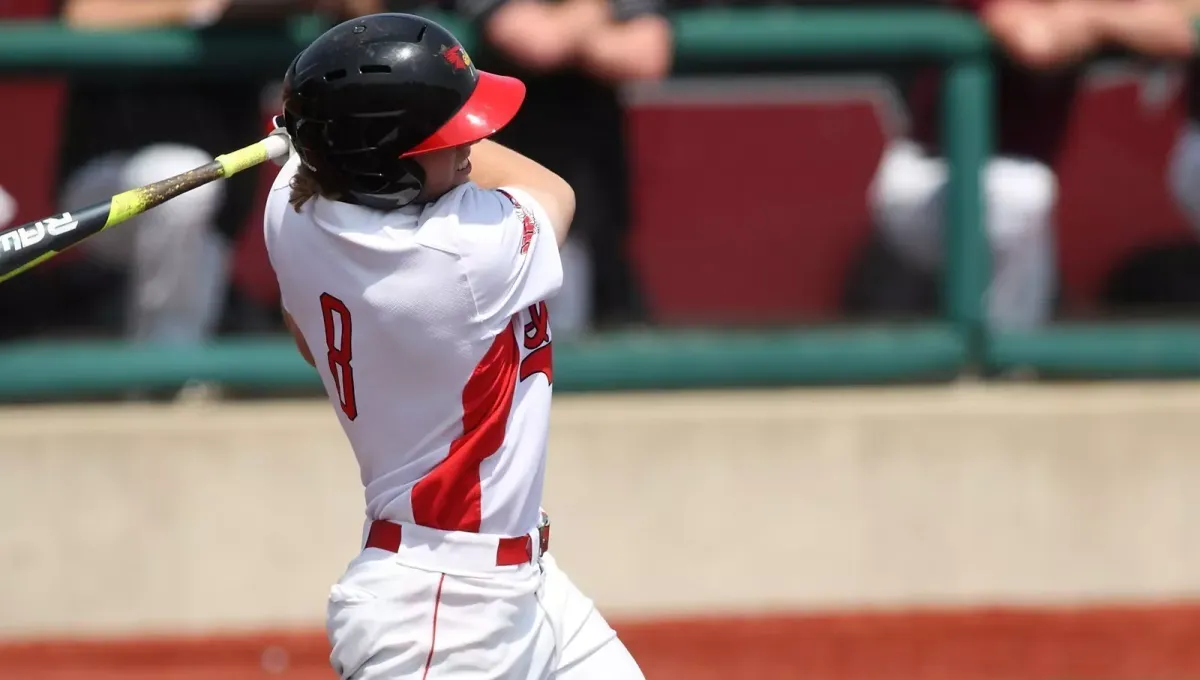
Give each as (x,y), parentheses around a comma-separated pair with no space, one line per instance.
(8,208)
(572,309)
(907,197)
(599,289)
(1183,174)
(618,291)
(584,144)
(174,253)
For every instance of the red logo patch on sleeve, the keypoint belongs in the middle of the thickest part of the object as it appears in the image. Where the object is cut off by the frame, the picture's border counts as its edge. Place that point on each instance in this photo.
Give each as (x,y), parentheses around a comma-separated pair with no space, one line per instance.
(528,226)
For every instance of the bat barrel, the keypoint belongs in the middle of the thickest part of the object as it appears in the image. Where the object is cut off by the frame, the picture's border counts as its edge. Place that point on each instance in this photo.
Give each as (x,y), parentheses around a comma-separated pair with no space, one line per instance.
(27,245)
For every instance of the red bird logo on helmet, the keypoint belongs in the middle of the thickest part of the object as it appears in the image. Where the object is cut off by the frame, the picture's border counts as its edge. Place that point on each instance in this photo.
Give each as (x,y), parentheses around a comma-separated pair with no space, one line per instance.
(457,57)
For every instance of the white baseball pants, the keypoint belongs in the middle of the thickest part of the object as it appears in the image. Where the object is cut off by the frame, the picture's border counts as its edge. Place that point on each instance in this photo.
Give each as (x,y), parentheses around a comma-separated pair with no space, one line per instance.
(439,607)
(907,198)
(1184,173)
(8,208)
(177,261)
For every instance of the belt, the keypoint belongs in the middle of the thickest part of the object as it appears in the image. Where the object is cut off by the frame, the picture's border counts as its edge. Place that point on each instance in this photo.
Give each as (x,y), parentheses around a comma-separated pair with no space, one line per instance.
(510,551)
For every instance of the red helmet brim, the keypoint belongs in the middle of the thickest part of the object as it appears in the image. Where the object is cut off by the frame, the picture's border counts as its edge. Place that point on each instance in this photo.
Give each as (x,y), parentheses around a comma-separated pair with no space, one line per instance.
(492,105)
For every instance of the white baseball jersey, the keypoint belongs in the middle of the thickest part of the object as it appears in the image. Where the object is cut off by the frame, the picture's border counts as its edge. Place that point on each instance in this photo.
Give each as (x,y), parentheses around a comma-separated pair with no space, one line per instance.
(428,325)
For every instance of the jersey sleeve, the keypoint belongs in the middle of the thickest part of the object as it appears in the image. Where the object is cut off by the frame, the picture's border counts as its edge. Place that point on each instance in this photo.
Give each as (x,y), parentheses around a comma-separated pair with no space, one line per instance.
(508,251)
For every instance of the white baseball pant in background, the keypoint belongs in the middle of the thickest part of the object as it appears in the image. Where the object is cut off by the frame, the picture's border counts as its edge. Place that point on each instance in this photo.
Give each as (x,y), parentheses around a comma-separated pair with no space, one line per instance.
(176,258)
(907,198)
(1183,174)
(8,208)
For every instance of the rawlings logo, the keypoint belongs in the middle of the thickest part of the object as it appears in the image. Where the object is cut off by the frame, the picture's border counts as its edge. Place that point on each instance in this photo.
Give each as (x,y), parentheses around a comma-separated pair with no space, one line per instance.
(19,238)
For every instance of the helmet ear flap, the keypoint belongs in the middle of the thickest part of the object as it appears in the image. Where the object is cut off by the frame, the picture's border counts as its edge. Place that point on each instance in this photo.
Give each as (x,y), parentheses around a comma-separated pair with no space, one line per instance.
(349,161)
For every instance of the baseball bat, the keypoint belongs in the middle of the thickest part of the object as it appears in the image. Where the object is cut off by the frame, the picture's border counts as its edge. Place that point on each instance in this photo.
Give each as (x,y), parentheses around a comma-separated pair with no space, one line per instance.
(25,246)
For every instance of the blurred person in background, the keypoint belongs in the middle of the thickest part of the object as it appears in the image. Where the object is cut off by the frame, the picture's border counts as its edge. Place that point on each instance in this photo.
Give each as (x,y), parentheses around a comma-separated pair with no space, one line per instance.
(1044,48)
(574,56)
(1184,168)
(8,208)
(173,262)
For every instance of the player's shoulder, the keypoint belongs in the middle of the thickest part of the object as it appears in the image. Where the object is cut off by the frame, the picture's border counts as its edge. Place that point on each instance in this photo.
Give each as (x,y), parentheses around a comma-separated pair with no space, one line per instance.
(280,193)
(283,180)
(469,218)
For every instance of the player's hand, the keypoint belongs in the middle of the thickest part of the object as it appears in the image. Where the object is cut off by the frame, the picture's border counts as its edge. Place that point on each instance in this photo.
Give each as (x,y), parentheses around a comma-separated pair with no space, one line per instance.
(1155,28)
(544,37)
(277,128)
(1043,35)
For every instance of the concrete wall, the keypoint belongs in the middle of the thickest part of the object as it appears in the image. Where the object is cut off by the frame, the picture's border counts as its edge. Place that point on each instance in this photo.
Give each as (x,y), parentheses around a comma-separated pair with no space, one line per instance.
(125,519)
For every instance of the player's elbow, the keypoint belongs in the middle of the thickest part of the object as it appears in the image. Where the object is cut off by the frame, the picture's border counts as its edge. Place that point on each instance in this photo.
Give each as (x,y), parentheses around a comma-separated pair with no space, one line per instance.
(564,208)
(557,199)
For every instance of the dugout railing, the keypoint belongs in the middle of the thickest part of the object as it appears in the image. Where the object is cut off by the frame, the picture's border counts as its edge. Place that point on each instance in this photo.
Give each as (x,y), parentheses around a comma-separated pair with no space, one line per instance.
(707,41)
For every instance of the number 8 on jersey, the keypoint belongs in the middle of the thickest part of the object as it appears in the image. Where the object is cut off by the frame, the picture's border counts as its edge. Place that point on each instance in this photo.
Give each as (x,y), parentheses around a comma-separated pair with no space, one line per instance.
(338,351)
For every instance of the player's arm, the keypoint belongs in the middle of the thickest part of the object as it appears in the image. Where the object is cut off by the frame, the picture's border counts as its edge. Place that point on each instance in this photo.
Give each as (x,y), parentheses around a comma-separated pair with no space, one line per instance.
(507,232)
(353,8)
(126,14)
(1156,28)
(541,36)
(298,338)
(1041,33)
(143,13)
(494,166)
(636,45)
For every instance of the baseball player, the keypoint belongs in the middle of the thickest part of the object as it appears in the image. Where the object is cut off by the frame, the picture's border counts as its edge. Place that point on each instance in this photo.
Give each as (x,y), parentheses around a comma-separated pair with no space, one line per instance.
(414,260)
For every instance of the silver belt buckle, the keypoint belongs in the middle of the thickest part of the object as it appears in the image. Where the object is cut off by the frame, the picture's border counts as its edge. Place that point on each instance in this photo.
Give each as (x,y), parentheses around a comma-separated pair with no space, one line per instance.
(543,534)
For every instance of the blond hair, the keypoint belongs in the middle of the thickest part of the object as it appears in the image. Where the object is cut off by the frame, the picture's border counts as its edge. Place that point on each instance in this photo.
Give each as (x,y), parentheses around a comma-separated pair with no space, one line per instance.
(304,186)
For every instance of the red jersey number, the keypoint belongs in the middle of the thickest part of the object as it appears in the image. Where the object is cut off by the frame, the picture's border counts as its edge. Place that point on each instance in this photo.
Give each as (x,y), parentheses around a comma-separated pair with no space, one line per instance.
(339,354)
(537,339)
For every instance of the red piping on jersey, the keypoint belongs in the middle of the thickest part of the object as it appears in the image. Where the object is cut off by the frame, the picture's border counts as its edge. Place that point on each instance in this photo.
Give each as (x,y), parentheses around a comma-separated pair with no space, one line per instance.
(449,498)
(437,602)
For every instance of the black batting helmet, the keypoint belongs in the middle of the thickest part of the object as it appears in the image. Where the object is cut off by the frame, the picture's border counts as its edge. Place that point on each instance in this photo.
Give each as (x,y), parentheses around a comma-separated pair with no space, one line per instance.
(372,92)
